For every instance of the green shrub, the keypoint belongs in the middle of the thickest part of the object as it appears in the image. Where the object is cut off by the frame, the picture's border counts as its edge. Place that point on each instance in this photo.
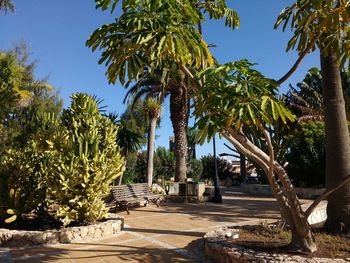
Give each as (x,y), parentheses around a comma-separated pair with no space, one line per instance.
(82,168)
(22,181)
(164,164)
(136,166)
(306,156)
(194,170)
(224,168)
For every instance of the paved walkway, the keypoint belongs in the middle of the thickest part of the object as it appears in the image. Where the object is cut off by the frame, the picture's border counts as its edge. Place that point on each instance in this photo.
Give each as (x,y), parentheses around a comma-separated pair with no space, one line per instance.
(170,233)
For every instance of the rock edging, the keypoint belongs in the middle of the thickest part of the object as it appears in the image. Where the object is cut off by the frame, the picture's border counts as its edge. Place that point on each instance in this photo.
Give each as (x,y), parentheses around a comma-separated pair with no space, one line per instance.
(220,250)
(65,235)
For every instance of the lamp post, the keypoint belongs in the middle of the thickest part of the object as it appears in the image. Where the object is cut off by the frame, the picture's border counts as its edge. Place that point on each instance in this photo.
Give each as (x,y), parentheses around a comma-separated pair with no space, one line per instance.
(242,166)
(217,194)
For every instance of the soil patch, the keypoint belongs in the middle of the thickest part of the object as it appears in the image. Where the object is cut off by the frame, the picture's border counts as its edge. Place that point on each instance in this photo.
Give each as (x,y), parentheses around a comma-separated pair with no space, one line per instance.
(271,239)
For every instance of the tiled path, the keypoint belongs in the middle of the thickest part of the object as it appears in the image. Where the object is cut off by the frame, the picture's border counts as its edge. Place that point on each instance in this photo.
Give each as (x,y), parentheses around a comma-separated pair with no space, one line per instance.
(170,233)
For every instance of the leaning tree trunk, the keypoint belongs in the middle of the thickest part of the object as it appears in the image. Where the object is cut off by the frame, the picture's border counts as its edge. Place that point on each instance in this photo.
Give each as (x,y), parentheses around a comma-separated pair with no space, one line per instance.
(337,144)
(302,239)
(179,112)
(150,148)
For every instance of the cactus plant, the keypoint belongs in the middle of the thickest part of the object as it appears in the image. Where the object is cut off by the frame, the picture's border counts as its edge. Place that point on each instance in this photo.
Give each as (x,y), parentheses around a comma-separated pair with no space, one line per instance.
(82,169)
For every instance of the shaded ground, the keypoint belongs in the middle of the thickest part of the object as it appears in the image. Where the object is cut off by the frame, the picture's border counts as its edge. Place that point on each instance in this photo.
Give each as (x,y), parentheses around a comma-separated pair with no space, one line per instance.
(170,233)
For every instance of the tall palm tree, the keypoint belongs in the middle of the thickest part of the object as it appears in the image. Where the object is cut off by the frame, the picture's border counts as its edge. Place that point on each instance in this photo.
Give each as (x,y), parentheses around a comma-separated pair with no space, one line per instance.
(325,24)
(151,89)
(153,108)
(169,42)
(179,115)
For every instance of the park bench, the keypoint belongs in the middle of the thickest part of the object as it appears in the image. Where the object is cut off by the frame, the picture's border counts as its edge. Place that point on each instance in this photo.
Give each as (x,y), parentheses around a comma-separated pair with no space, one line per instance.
(124,196)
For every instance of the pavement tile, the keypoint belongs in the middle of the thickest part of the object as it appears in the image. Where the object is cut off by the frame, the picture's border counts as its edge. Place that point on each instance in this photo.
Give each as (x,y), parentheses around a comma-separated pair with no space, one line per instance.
(161,234)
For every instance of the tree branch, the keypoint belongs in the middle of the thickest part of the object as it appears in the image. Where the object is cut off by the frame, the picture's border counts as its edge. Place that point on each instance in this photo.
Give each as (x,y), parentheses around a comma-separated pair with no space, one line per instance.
(299,60)
(230,148)
(324,196)
(227,154)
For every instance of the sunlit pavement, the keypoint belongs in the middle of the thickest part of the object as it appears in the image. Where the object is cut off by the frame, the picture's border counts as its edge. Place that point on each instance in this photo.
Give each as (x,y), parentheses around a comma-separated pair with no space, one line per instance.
(170,233)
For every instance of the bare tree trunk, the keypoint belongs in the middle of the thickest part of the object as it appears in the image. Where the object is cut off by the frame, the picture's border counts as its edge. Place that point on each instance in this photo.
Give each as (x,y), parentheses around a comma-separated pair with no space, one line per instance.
(337,144)
(150,149)
(179,113)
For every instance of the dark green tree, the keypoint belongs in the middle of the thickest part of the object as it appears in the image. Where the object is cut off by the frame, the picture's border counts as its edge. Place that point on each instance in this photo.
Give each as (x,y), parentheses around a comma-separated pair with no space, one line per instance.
(306,155)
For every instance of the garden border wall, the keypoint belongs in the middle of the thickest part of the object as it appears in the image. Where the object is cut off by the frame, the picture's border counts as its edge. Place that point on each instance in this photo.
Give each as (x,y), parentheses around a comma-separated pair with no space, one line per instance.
(218,248)
(87,233)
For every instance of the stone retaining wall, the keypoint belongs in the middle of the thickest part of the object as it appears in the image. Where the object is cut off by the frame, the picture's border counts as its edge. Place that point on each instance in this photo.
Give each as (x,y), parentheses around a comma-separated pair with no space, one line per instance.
(220,250)
(65,235)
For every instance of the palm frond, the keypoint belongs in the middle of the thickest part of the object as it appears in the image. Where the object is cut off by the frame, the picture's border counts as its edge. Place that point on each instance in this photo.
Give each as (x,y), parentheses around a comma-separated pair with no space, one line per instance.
(7,6)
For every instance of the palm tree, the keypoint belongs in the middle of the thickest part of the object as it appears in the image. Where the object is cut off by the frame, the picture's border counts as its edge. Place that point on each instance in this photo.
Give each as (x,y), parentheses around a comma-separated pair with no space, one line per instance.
(127,139)
(150,88)
(169,42)
(6,6)
(153,108)
(325,24)
(306,99)
(134,42)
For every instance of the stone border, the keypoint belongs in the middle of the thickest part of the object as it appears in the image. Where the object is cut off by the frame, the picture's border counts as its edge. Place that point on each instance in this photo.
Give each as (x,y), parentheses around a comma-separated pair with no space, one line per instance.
(65,235)
(220,250)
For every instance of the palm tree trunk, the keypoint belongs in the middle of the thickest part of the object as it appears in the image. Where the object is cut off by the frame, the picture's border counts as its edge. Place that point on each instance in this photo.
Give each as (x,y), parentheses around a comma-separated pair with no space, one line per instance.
(150,149)
(179,113)
(120,178)
(337,144)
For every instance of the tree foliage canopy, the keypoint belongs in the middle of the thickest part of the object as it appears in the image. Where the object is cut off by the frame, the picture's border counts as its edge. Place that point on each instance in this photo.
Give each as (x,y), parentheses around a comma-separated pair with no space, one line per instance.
(234,94)
(319,22)
(153,34)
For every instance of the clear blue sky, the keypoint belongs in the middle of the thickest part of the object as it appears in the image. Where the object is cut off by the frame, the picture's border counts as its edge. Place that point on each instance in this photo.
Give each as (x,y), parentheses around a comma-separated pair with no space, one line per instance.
(56,32)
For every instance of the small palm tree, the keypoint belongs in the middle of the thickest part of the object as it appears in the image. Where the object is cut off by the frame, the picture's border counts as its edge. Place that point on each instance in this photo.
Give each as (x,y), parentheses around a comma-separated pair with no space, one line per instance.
(150,87)
(152,108)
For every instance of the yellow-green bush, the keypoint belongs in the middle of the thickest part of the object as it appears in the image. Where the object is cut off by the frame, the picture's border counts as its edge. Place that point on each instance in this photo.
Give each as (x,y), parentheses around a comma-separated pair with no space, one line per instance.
(82,168)
(22,181)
